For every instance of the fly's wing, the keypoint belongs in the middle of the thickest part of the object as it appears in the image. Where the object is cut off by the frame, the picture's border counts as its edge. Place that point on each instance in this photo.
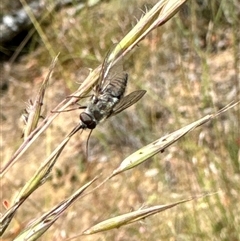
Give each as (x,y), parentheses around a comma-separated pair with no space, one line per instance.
(109,72)
(128,100)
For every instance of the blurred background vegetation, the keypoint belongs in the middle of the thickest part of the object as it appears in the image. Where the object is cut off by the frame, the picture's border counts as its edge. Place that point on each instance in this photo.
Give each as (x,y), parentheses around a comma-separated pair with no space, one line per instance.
(189,67)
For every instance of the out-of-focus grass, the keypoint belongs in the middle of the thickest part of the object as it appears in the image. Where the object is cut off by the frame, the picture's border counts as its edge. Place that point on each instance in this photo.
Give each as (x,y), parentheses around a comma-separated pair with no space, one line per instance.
(189,68)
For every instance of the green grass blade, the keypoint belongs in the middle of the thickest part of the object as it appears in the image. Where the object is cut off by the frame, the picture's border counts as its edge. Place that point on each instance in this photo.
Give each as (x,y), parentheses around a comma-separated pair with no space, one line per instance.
(159,145)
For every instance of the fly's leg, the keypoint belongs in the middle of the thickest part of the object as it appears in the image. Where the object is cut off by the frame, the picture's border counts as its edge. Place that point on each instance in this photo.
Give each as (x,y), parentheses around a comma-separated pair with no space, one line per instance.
(77,108)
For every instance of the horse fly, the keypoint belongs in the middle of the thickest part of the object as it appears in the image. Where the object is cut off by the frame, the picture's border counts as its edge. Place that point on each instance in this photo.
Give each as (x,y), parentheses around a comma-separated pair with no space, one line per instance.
(108,98)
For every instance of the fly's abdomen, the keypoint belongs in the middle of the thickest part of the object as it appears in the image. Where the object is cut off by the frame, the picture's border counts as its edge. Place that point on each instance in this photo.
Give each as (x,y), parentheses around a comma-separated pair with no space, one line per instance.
(117,86)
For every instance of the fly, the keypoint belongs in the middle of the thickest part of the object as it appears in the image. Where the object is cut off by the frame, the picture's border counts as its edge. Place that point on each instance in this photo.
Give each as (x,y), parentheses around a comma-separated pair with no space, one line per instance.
(108,98)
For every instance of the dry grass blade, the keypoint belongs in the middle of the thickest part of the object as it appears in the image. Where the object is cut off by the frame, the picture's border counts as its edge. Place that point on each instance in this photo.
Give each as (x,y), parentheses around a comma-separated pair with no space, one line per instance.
(159,145)
(134,216)
(34,110)
(32,185)
(40,225)
(7,217)
(152,19)
(161,12)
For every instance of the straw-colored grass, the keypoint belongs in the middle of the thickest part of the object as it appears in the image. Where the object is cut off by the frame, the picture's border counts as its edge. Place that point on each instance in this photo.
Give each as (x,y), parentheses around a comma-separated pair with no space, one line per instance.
(189,67)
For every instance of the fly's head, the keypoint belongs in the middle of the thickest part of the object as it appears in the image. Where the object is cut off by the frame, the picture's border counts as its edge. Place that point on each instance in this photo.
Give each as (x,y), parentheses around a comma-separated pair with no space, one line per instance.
(87,121)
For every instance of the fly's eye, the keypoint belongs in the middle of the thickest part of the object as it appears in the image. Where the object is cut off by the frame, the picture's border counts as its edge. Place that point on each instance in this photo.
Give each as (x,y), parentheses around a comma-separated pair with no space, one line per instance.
(87,120)
(91,125)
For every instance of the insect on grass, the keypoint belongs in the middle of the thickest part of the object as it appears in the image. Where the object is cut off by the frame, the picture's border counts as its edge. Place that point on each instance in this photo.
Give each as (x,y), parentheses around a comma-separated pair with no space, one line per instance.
(108,98)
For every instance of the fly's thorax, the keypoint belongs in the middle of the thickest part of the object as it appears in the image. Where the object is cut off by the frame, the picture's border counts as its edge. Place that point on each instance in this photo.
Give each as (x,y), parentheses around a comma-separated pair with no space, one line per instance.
(101,108)
(103,102)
